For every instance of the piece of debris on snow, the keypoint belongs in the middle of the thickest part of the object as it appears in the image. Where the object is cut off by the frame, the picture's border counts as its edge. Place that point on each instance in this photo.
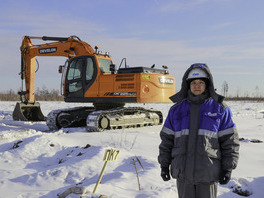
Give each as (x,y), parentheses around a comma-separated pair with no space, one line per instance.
(87,146)
(241,187)
(250,140)
(83,191)
(256,141)
(16,144)
(242,192)
(261,111)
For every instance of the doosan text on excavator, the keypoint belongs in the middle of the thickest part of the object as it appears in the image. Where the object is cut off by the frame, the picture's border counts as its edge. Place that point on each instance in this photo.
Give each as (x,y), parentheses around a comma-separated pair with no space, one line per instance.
(89,76)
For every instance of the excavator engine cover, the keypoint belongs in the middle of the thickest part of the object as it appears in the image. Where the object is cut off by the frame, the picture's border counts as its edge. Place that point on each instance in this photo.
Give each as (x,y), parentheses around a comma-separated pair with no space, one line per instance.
(28,112)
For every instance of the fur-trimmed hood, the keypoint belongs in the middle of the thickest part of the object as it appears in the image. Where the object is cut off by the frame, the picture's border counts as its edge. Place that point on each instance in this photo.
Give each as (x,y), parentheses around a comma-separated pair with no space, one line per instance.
(182,94)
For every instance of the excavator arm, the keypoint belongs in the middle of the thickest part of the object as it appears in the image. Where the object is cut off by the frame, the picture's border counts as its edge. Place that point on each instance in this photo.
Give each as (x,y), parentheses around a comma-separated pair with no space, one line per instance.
(69,47)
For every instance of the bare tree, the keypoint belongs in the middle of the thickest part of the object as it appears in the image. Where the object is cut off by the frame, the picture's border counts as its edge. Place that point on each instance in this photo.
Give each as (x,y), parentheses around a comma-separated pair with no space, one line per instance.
(238,93)
(224,88)
(48,95)
(257,95)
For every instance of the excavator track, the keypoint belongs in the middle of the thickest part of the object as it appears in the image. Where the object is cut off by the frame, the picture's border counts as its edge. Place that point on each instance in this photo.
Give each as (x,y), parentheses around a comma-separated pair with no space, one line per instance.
(63,118)
(123,118)
(102,120)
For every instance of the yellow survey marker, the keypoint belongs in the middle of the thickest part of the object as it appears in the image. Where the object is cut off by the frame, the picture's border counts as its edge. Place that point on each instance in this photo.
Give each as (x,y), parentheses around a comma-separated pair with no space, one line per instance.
(110,155)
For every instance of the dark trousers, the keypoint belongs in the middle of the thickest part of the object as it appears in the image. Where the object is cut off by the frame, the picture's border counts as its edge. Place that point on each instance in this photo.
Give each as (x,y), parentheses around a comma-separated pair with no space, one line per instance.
(197,191)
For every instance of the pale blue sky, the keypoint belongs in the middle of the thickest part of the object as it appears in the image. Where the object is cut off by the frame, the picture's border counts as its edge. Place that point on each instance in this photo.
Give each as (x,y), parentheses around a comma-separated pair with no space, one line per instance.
(228,35)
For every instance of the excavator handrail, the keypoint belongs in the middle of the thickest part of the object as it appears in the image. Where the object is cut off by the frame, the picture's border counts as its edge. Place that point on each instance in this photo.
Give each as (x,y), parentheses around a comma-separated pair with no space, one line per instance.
(47,38)
(52,38)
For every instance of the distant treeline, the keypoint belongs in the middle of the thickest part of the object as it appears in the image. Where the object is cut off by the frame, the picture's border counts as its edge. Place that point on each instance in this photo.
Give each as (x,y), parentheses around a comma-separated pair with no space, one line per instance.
(245,98)
(40,95)
(53,95)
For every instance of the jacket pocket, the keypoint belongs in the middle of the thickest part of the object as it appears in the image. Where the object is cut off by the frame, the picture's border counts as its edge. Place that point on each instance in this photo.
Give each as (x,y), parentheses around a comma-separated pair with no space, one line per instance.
(213,153)
(209,146)
(178,161)
(209,164)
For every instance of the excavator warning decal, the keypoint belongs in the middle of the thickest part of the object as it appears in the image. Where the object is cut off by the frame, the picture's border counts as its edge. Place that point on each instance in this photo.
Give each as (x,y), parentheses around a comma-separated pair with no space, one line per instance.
(145,77)
(48,50)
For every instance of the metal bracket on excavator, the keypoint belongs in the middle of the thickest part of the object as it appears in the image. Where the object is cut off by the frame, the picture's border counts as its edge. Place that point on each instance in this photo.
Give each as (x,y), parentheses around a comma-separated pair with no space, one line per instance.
(28,112)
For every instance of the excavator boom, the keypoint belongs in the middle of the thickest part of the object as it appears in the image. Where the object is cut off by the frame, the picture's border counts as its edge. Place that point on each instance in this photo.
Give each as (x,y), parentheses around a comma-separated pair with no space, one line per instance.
(28,109)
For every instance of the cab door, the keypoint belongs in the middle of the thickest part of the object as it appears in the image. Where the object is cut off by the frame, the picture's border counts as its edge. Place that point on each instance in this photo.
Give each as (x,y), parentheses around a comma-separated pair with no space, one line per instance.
(80,75)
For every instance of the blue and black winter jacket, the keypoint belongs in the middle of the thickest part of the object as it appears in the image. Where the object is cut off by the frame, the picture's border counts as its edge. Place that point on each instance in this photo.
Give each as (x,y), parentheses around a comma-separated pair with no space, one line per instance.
(214,148)
(198,154)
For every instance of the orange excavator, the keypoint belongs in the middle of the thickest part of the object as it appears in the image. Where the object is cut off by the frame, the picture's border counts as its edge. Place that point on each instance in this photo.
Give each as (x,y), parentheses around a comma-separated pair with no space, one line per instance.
(89,76)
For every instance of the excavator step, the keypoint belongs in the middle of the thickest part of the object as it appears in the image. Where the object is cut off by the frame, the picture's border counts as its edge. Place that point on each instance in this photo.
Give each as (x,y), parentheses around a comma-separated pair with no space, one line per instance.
(28,112)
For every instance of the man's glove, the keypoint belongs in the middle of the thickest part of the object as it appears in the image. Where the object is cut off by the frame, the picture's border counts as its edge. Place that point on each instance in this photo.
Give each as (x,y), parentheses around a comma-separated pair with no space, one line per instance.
(225,177)
(165,173)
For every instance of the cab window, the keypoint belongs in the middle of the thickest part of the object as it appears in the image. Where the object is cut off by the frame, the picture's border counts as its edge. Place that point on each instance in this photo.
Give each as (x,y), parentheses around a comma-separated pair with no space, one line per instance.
(105,65)
(75,70)
(89,69)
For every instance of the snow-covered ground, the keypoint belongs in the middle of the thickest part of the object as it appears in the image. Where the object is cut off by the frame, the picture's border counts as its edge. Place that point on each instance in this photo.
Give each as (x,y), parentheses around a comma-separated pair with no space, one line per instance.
(35,163)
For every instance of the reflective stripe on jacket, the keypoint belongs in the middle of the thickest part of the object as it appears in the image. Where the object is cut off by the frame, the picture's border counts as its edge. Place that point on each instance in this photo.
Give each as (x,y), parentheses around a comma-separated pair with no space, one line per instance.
(199,158)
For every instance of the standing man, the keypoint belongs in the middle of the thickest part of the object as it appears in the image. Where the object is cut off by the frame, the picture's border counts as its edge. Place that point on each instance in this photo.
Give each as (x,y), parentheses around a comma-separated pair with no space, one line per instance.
(199,141)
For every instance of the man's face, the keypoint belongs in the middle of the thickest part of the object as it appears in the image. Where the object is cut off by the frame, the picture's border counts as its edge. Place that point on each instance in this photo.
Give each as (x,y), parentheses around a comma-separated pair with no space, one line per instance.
(197,87)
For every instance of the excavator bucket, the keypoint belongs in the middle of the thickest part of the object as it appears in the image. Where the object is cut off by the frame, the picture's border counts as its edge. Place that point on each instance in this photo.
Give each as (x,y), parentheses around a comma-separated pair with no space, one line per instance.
(28,112)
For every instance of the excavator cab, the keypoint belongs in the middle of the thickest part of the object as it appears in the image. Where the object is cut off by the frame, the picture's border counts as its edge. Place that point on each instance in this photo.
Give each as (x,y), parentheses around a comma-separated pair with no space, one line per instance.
(81,73)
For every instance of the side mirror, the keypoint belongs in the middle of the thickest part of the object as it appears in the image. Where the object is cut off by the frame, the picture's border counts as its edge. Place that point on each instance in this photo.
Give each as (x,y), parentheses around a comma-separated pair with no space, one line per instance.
(112,68)
(61,67)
